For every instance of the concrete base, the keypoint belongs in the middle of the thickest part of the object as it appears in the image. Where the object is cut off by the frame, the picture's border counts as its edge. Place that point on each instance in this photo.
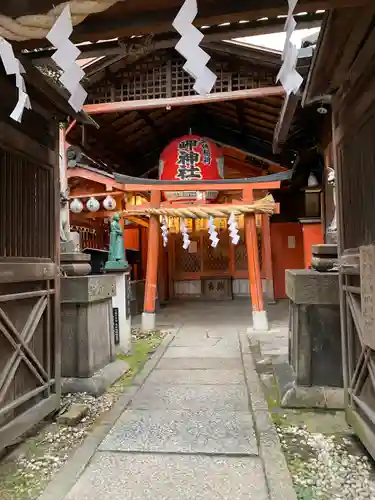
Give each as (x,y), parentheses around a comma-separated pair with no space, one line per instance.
(324,398)
(260,321)
(98,383)
(148,321)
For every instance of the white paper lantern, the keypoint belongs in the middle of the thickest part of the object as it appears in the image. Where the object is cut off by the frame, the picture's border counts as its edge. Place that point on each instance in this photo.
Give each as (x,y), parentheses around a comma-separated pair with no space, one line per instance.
(93,205)
(109,203)
(76,206)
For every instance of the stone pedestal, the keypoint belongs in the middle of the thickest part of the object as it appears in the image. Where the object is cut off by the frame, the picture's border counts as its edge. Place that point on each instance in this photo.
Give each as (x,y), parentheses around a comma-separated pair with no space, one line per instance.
(324,257)
(314,330)
(75,263)
(88,355)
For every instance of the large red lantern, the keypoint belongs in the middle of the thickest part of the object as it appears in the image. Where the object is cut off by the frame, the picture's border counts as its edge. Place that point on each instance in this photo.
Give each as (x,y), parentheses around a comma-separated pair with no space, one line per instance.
(191,158)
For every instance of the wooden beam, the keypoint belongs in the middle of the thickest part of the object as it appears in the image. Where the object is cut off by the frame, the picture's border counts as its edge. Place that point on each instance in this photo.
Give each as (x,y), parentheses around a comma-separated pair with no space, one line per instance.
(159,20)
(213,39)
(121,106)
(285,122)
(96,177)
(202,186)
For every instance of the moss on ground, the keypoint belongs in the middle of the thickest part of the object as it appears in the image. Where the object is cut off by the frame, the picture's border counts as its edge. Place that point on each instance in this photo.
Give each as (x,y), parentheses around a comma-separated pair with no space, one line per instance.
(25,473)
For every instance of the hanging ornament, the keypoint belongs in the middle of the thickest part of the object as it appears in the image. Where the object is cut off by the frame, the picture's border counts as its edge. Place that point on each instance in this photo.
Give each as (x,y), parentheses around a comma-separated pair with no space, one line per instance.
(188,47)
(164,231)
(93,205)
(233,229)
(185,235)
(212,232)
(65,58)
(288,76)
(109,203)
(76,206)
(13,66)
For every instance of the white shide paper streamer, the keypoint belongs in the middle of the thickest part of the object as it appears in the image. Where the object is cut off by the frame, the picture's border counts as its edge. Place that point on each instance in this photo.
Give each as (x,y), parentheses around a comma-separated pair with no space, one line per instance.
(212,232)
(13,66)
(164,231)
(188,47)
(288,76)
(233,228)
(185,236)
(65,58)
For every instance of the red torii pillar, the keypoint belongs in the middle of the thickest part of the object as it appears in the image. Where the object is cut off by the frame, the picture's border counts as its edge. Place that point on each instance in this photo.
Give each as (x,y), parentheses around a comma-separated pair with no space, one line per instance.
(149,313)
(259,313)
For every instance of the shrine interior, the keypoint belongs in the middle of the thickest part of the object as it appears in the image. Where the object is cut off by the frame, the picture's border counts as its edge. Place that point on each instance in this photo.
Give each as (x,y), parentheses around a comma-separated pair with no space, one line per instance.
(258,136)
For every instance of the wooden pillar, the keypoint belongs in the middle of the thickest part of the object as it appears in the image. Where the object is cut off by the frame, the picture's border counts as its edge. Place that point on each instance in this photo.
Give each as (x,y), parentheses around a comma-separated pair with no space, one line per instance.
(260,321)
(148,316)
(267,257)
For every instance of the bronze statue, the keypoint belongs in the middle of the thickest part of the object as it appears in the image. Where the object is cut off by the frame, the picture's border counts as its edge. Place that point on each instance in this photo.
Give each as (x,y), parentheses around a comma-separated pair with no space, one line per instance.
(116,257)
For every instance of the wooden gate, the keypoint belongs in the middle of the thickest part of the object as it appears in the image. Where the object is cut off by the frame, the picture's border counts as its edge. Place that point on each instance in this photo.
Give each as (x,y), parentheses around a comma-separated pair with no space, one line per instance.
(354,150)
(29,284)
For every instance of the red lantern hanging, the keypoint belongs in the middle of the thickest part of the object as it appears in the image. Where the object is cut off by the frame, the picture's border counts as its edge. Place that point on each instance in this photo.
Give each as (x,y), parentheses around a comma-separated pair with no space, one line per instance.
(191,158)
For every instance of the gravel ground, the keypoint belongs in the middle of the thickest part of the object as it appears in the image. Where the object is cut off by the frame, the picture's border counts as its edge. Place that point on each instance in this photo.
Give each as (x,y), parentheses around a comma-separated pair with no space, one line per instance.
(26,471)
(327,467)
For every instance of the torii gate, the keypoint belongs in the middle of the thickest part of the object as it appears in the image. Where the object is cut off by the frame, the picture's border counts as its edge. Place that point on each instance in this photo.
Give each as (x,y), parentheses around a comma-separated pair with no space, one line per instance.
(248,205)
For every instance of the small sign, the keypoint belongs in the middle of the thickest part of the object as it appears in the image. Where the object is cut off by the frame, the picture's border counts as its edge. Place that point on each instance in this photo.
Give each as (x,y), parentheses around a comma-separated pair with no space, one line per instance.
(116,326)
(128,296)
(291,242)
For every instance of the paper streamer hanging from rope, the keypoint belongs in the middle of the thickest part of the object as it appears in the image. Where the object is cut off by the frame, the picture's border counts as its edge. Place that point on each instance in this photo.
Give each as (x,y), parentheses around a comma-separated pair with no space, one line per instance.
(164,231)
(233,228)
(185,236)
(66,58)
(188,47)
(288,76)
(13,66)
(212,232)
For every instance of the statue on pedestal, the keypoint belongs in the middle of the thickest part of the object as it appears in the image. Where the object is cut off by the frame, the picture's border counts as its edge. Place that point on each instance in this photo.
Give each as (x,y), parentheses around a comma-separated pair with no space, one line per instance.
(116,258)
(332,228)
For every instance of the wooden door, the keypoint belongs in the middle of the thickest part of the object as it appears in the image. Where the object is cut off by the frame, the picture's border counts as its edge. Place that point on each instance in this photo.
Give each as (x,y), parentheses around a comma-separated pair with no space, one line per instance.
(287,253)
(355,166)
(29,285)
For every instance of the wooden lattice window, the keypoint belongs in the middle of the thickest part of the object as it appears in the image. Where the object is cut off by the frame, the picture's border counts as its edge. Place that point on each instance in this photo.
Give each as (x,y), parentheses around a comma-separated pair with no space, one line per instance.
(240,252)
(163,76)
(188,261)
(216,259)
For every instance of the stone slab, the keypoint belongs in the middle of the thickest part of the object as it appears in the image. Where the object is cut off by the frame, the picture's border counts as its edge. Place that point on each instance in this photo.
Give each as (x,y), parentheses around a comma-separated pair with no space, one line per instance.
(206,342)
(119,476)
(198,377)
(99,382)
(73,415)
(307,286)
(200,364)
(176,431)
(202,352)
(87,289)
(191,397)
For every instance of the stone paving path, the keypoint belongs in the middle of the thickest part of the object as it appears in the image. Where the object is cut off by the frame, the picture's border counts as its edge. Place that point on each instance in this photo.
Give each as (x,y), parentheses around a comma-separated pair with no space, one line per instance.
(198,427)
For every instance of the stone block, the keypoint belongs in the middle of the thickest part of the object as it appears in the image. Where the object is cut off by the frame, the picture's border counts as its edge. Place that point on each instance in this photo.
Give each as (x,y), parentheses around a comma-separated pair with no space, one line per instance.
(99,382)
(73,415)
(305,286)
(86,325)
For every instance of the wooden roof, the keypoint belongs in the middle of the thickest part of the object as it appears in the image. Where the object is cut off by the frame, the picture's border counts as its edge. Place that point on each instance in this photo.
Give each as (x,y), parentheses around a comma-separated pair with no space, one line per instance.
(131,142)
(345,49)
(133,18)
